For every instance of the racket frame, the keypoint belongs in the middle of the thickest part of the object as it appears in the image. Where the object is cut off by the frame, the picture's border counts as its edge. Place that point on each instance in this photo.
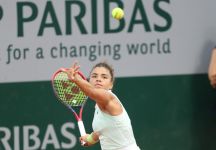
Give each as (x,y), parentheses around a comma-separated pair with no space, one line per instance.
(77,116)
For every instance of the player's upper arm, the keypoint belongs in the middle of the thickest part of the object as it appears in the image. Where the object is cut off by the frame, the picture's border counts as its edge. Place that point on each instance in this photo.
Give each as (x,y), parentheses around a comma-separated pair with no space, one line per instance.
(101,96)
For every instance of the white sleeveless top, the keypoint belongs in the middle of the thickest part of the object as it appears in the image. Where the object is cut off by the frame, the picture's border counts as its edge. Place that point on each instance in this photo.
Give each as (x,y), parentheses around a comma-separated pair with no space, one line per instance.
(115,132)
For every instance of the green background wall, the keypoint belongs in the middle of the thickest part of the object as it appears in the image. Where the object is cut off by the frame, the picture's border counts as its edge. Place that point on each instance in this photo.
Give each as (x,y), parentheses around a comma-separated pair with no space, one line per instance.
(167,112)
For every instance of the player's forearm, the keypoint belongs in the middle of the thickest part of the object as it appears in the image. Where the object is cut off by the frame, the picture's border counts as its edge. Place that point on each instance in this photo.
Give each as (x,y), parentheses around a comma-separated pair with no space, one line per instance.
(100,96)
(87,88)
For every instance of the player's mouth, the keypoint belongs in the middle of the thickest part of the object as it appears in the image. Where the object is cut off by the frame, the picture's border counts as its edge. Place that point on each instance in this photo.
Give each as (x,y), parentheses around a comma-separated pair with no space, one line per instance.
(98,85)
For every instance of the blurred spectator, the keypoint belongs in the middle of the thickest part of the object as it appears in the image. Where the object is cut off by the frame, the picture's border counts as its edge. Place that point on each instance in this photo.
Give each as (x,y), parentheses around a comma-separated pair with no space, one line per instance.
(212,68)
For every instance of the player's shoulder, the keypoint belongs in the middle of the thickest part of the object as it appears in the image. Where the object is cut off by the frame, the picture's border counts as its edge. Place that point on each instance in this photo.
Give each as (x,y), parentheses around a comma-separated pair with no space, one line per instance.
(110,91)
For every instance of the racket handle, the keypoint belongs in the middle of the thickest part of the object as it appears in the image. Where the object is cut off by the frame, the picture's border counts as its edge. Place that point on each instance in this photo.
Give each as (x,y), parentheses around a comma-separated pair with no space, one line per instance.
(82,130)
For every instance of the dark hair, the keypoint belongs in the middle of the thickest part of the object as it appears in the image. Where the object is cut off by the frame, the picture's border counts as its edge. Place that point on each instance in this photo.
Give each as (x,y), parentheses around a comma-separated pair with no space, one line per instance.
(107,66)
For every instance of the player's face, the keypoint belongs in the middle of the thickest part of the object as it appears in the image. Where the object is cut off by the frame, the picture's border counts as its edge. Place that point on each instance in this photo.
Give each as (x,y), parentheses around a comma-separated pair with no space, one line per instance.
(100,78)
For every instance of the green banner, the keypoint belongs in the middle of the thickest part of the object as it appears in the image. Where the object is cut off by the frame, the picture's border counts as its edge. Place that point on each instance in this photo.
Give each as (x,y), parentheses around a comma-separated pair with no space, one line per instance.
(167,113)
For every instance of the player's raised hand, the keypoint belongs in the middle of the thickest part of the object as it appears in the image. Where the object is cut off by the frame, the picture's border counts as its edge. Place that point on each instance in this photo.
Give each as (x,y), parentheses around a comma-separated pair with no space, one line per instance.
(72,71)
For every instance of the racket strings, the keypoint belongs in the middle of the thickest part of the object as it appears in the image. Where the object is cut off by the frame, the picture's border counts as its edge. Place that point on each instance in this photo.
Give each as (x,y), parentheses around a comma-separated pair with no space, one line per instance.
(67,91)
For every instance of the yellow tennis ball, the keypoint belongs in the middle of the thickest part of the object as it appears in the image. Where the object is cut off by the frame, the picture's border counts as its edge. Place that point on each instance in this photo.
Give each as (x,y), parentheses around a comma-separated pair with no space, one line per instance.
(117,13)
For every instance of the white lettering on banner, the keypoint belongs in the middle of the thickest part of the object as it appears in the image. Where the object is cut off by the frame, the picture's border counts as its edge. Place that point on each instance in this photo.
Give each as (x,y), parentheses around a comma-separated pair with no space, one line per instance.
(50,138)
(31,137)
(32,140)
(68,135)
(4,140)
(16,138)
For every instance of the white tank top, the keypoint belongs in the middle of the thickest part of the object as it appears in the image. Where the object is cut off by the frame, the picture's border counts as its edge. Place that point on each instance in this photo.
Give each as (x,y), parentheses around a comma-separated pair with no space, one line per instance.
(115,132)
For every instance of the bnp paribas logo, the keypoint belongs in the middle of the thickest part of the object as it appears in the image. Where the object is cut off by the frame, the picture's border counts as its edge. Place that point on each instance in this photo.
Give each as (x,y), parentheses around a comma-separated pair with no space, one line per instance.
(83,17)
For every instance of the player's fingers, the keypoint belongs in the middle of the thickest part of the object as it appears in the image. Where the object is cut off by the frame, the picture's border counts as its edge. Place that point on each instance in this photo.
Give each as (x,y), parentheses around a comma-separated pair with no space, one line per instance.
(85,144)
(76,69)
(74,64)
(64,70)
(70,73)
(81,138)
(82,141)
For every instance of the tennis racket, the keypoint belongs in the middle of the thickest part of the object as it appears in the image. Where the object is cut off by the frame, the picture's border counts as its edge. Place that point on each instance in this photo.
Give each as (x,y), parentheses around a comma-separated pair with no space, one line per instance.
(68,93)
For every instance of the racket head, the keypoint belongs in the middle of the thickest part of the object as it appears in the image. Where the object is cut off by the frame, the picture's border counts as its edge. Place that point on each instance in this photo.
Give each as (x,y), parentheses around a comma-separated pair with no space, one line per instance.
(66,90)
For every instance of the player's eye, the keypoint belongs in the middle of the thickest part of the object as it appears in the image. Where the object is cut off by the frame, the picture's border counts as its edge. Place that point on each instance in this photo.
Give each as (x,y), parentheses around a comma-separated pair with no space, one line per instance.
(93,76)
(104,77)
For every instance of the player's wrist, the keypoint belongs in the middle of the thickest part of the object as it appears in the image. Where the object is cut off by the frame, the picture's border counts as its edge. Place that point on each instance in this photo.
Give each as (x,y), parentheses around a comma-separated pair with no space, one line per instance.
(90,139)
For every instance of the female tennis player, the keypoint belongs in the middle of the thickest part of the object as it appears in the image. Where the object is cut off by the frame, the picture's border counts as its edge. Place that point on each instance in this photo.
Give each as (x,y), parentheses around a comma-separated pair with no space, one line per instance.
(111,123)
